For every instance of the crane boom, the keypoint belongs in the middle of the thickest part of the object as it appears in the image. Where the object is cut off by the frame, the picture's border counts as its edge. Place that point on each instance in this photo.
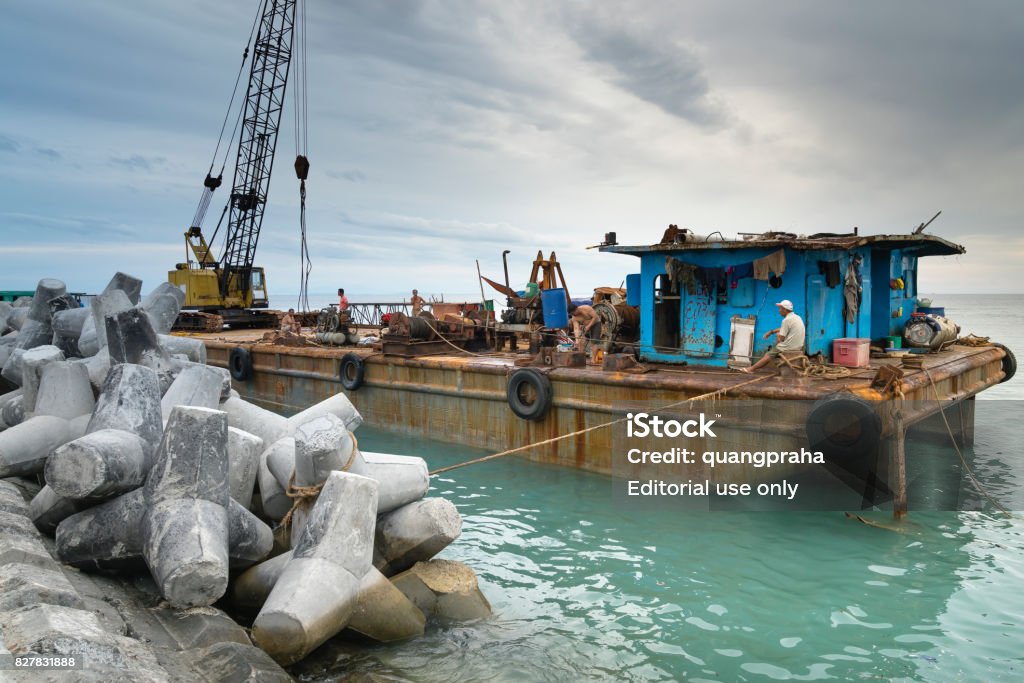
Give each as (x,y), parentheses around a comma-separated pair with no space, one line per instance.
(264,102)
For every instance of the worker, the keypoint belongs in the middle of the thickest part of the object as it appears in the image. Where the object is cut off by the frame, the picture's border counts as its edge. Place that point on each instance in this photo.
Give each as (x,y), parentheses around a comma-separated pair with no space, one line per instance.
(790,336)
(289,323)
(586,324)
(417,302)
(342,300)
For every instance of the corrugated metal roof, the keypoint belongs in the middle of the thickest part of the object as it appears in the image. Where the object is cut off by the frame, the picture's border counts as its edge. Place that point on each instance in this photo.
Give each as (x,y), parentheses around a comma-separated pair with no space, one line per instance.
(923,245)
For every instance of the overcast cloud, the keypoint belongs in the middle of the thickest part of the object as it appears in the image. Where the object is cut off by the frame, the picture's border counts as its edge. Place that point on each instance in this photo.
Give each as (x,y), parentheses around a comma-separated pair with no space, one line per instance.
(444,132)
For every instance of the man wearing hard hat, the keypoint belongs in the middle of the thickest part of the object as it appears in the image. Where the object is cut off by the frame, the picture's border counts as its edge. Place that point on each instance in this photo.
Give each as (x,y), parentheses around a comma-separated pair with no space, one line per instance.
(791,336)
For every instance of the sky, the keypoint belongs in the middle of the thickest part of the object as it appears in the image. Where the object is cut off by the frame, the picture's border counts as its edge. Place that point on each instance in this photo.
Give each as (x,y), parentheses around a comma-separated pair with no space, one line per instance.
(441,133)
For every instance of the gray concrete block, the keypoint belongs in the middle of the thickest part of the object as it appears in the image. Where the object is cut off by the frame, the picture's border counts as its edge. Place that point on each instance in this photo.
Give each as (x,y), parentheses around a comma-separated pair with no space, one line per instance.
(273,500)
(25,447)
(193,349)
(48,509)
(383,612)
(243,464)
(130,401)
(316,593)
(32,363)
(64,391)
(324,445)
(402,479)
(22,585)
(13,410)
(237,663)
(280,459)
(338,405)
(100,464)
(445,589)
(250,589)
(8,398)
(415,533)
(249,417)
(185,530)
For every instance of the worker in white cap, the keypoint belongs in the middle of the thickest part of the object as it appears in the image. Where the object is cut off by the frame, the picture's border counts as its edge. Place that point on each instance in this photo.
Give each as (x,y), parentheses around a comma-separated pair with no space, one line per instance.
(790,338)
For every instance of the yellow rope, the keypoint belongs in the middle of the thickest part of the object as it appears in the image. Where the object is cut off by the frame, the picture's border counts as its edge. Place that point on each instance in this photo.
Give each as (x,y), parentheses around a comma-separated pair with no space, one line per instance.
(967,468)
(711,395)
(300,493)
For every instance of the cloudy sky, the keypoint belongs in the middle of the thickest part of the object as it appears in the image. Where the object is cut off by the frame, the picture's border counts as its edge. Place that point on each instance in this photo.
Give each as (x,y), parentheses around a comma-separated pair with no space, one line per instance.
(444,132)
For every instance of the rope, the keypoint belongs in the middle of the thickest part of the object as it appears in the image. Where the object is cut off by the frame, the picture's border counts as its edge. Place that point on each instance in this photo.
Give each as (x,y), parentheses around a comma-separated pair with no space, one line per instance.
(805,367)
(963,460)
(298,494)
(710,395)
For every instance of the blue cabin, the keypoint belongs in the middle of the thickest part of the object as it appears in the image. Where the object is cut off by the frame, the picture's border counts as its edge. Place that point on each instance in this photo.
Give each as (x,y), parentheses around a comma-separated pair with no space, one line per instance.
(709,301)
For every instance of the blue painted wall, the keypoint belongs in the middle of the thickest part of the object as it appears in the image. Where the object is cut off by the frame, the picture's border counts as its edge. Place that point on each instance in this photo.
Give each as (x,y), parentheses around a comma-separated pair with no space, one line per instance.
(704,322)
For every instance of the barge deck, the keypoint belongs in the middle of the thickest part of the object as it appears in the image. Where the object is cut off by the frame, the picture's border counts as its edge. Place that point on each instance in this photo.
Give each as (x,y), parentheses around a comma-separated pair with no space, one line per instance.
(462,397)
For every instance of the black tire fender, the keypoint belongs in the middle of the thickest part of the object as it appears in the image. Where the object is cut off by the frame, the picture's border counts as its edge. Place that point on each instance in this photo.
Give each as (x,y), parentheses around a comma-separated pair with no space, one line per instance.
(518,382)
(351,371)
(240,363)
(1009,364)
(844,427)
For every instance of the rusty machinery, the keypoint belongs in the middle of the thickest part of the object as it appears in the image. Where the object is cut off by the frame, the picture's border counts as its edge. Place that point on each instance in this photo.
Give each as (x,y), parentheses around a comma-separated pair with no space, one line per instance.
(334,327)
(620,322)
(424,334)
(526,310)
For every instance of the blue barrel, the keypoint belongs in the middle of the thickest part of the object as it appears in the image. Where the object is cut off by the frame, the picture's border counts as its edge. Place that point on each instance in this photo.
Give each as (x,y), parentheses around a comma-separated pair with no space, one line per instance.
(633,289)
(556,313)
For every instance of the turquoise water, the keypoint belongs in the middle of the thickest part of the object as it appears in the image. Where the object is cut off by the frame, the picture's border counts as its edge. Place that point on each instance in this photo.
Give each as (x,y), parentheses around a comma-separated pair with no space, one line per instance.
(585,590)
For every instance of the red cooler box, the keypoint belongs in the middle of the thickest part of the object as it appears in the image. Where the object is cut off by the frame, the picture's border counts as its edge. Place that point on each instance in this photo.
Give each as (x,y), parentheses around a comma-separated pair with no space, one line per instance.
(853,352)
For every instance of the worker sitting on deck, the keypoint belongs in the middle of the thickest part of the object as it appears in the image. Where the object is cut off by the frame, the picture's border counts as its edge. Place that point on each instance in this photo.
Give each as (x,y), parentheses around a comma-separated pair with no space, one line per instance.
(289,323)
(417,302)
(790,339)
(586,324)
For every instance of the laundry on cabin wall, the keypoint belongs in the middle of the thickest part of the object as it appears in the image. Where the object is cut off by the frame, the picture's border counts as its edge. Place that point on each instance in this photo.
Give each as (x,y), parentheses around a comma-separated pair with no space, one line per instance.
(738,272)
(853,287)
(830,269)
(710,279)
(772,263)
(680,273)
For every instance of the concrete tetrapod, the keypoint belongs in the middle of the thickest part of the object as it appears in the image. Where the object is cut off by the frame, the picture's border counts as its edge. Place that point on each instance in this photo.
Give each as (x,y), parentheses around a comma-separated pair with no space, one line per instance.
(103,463)
(272,495)
(243,464)
(196,385)
(249,417)
(25,447)
(4,401)
(186,527)
(130,400)
(48,509)
(64,391)
(317,591)
(444,588)
(338,405)
(109,537)
(93,336)
(414,533)
(193,349)
(403,479)
(32,363)
(162,305)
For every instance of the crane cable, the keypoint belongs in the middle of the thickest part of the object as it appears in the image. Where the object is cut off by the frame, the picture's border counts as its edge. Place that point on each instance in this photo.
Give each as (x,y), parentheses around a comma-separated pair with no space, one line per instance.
(210,184)
(301,144)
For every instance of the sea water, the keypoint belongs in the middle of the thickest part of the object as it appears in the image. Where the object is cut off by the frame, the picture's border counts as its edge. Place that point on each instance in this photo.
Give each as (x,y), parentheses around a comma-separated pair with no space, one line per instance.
(584,589)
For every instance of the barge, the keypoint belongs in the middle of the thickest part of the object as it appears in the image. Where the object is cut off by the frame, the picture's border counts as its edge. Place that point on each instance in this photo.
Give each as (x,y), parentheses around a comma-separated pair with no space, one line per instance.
(701,309)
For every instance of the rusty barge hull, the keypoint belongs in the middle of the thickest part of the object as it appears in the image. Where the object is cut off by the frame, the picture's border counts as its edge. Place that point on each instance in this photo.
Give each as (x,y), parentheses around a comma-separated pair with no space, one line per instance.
(462,398)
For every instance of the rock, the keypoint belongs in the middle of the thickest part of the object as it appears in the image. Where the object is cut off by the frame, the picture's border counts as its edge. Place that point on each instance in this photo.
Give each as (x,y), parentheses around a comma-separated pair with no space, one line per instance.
(383,612)
(338,405)
(316,593)
(236,663)
(444,588)
(243,464)
(130,401)
(22,585)
(103,463)
(415,533)
(64,391)
(185,529)
(196,385)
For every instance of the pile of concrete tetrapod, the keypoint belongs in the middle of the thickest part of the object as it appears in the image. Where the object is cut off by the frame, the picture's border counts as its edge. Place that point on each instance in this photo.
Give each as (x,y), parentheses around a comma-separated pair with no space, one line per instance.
(152,461)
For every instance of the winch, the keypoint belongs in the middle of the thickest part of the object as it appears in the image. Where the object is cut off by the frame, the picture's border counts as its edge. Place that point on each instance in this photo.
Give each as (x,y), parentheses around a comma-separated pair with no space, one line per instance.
(929,331)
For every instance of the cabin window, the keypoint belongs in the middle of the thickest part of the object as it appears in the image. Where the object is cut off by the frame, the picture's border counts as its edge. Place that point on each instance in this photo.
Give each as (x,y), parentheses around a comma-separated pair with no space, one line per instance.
(666,315)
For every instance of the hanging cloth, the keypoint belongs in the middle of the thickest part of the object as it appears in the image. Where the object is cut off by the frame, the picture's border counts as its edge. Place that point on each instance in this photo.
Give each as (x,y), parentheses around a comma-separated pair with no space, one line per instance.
(852,288)
(772,263)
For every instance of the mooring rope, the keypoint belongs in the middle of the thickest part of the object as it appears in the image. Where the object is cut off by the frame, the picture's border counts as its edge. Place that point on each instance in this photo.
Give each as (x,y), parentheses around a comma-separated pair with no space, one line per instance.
(710,395)
(967,468)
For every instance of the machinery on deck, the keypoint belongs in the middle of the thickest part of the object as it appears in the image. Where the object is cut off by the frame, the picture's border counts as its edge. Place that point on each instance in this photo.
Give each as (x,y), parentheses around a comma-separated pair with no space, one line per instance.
(232,290)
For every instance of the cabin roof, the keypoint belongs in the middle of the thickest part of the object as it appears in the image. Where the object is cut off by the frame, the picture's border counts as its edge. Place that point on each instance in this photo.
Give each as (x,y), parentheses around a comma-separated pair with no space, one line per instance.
(920,244)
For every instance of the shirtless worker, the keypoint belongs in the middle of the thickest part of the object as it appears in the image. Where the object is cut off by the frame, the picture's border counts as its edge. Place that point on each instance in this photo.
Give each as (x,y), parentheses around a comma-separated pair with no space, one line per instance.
(790,340)
(417,302)
(289,323)
(586,324)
